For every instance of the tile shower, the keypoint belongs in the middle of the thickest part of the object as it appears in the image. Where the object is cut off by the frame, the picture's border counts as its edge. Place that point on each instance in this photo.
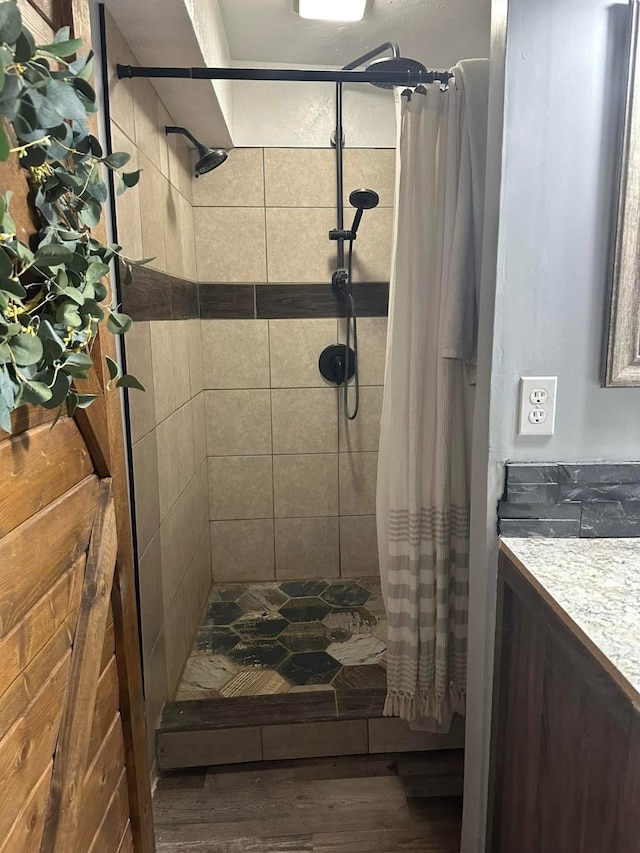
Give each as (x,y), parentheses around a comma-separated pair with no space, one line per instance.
(254,496)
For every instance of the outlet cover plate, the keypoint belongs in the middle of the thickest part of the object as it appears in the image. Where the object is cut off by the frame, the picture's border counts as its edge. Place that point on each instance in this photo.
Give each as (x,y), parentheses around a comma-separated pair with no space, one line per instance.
(530,388)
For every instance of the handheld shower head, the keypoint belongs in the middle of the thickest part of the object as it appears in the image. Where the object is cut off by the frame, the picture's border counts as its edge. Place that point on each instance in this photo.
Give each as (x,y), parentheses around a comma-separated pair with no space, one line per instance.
(210,158)
(362,200)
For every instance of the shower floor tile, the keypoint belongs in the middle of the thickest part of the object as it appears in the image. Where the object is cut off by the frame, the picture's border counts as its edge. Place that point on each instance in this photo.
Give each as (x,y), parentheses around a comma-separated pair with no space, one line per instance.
(259,640)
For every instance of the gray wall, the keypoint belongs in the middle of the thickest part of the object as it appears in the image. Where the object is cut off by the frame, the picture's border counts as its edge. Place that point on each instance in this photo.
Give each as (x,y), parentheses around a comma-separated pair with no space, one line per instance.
(543,303)
(563,98)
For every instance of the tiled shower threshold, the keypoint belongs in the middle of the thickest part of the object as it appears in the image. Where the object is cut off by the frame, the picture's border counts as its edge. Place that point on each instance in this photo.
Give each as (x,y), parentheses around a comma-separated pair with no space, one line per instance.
(288,670)
(284,652)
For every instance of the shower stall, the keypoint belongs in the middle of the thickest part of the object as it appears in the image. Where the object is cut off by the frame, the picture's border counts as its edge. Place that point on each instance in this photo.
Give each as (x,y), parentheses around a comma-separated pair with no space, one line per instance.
(253,484)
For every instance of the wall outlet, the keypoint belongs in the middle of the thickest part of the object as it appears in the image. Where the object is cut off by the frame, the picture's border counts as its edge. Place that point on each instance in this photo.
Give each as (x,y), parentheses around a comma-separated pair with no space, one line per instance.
(537,405)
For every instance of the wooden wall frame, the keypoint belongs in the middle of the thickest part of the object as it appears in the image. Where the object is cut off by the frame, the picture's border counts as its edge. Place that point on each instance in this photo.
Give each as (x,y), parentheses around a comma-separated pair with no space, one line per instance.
(623,349)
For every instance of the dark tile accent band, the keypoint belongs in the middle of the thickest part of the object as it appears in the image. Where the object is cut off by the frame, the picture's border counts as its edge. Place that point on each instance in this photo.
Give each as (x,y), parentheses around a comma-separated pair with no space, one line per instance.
(588,500)
(155,295)
(227,301)
(300,301)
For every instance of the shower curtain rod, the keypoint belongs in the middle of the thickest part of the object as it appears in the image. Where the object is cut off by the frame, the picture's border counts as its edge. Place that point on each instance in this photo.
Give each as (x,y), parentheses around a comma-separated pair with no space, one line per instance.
(298,75)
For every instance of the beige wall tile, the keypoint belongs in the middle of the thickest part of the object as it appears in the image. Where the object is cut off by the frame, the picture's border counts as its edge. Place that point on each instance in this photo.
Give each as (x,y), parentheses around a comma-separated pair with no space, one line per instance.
(295,347)
(358,475)
(358,546)
(184,445)
(180,330)
(199,430)
(311,740)
(240,487)
(196,583)
(175,641)
(238,423)
(224,746)
(120,91)
(307,548)
(238,182)
(170,477)
(163,120)
(145,475)
(161,336)
(236,353)
(180,171)
(305,486)
(300,177)
(363,433)
(393,735)
(151,603)
(187,236)
(373,168)
(194,344)
(172,543)
(145,115)
(304,420)
(299,250)
(156,692)
(173,210)
(142,409)
(152,202)
(128,216)
(242,550)
(230,244)
(372,344)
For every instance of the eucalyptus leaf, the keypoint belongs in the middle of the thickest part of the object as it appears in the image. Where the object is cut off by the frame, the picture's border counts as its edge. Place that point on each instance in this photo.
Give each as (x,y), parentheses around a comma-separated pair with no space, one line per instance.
(66,100)
(85,400)
(95,271)
(26,349)
(68,315)
(85,89)
(52,255)
(5,415)
(35,392)
(8,285)
(62,49)
(112,366)
(10,23)
(6,265)
(72,403)
(118,323)
(59,390)
(131,178)
(117,160)
(25,46)
(4,145)
(129,381)
(77,363)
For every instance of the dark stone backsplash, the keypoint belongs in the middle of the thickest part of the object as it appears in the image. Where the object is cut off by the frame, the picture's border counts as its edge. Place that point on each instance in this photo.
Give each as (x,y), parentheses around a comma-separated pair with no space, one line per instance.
(591,500)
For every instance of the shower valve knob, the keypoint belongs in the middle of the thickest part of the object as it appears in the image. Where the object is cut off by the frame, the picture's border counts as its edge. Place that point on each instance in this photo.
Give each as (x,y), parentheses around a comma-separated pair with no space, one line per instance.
(332,363)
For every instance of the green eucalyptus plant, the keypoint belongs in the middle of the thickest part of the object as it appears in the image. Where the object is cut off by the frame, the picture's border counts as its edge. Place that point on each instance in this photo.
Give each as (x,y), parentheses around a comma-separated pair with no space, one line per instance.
(52,295)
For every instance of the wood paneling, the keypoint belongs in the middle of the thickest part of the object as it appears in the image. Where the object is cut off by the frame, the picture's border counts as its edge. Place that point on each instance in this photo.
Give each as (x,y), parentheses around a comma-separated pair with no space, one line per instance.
(27,748)
(115,822)
(100,783)
(38,552)
(39,625)
(566,770)
(26,833)
(106,707)
(72,751)
(37,467)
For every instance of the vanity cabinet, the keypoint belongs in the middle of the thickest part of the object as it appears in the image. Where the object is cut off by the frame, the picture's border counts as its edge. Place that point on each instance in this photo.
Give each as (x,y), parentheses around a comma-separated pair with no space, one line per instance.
(565,754)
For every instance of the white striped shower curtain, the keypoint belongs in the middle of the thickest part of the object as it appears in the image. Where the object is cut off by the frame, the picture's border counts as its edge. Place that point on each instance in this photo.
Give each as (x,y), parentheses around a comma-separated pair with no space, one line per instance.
(424,460)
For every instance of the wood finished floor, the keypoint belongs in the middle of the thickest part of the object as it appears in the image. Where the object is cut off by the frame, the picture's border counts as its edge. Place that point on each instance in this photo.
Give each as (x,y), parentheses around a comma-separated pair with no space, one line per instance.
(371,804)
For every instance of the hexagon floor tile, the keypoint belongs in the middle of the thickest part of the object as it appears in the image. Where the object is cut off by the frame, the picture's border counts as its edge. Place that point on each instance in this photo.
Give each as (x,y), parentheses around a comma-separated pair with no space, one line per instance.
(267,638)
(310,668)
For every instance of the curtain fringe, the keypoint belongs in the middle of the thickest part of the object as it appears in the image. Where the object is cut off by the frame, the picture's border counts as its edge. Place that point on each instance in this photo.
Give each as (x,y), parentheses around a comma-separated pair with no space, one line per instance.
(410,707)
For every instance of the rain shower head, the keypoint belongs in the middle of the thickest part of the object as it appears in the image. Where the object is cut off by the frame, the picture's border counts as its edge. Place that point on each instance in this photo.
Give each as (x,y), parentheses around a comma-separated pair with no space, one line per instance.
(210,158)
(396,65)
(364,199)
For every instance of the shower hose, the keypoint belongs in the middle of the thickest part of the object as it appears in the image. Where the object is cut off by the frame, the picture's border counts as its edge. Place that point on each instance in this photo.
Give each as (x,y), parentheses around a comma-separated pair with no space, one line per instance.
(352,328)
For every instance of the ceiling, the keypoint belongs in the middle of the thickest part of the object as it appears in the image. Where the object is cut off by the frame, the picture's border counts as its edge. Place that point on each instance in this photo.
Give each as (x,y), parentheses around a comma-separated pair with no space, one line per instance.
(436,32)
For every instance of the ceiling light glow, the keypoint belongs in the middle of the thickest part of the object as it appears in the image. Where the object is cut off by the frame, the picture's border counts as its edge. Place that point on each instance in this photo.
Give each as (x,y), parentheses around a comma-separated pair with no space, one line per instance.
(332,10)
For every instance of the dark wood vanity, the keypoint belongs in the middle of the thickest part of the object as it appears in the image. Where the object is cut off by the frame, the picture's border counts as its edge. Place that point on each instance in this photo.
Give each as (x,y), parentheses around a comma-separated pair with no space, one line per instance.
(565,768)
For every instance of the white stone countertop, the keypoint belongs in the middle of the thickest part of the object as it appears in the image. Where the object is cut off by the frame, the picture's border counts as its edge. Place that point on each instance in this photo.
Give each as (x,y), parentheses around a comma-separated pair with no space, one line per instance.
(596,582)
